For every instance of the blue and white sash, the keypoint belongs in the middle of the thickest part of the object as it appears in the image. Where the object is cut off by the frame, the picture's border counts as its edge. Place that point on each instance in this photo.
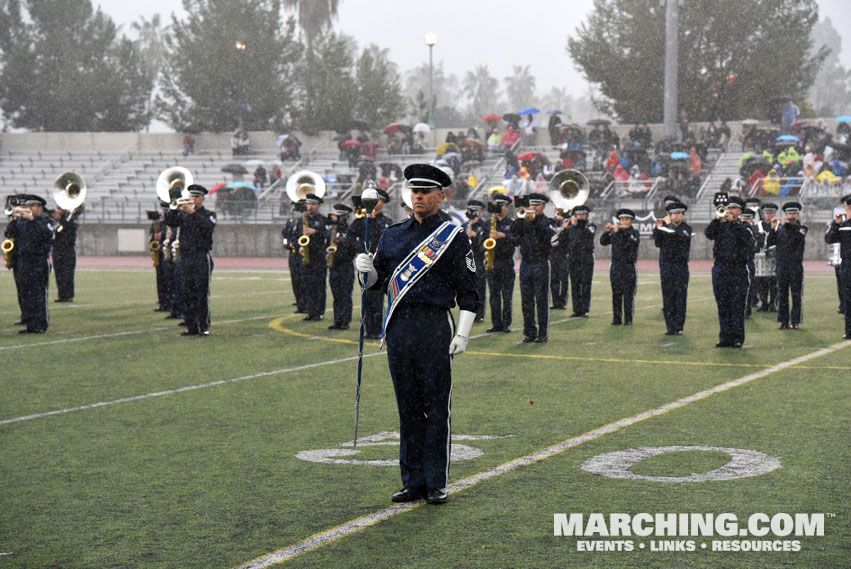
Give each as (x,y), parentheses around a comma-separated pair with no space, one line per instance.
(415,265)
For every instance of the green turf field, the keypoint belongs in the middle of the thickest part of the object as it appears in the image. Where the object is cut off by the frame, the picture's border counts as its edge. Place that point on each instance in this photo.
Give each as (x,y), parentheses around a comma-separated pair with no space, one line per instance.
(172,452)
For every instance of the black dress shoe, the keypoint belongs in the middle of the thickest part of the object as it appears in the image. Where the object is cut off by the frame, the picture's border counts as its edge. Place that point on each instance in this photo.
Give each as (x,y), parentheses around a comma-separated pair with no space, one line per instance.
(204,333)
(172,317)
(628,323)
(18,323)
(63,300)
(493,329)
(28,331)
(616,322)
(670,333)
(436,496)
(723,345)
(783,326)
(575,315)
(189,333)
(528,339)
(540,339)
(407,494)
(506,329)
(479,320)
(312,318)
(736,345)
(334,326)
(182,323)
(795,327)
(160,309)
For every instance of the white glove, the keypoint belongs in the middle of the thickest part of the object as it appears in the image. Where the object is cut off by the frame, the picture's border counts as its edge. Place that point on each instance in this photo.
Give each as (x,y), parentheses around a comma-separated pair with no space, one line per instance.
(462,333)
(363,263)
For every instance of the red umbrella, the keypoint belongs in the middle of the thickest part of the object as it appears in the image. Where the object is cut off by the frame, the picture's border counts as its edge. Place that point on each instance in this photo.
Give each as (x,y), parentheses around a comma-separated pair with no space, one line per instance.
(217,187)
(489,118)
(392,127)
(370,148)
(527,156)
(351,144)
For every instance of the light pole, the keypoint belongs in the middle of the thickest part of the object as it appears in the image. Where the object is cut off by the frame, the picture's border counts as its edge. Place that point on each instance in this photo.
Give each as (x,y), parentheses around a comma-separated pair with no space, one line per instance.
(430,40)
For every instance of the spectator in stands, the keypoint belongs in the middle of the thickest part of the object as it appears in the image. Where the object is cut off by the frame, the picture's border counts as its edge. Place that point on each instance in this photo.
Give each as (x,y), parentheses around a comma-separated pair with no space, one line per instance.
(683,124)
(511,136)
(694,163)
(553,127)
(260,176)
(725,135)
(612,162)
(450,138)
(188,144)
(290,148)
(274,174)
(495,141)
(790,114)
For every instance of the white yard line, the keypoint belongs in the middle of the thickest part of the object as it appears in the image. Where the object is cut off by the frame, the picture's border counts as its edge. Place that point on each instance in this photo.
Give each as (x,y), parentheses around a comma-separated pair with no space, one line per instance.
(321,539)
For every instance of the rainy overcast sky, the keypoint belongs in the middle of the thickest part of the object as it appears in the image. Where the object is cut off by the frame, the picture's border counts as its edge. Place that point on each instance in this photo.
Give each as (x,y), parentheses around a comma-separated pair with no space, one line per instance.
(470,32)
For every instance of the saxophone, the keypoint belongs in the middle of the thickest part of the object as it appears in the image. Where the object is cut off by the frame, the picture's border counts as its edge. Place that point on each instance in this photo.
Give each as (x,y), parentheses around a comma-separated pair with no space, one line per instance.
(332,248)
(304,241)
(8,252)
(490,246)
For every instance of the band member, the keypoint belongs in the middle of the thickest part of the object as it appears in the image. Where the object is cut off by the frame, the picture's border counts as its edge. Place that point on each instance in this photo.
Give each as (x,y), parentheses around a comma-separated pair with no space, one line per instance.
(767,285)
(841,233)
(477,230)
(835,260)
(64,254)
(374,297)
(533,234)
(672,235)
(195,263)
(789,241)
(289,236)
(732,249)
(12,202)
(314,265)
(341,271)
(559,266)
(624,241)
(32,232)
(171,254)
(579,236)
(501,277)
(157,239)
(747,218)
(426,265)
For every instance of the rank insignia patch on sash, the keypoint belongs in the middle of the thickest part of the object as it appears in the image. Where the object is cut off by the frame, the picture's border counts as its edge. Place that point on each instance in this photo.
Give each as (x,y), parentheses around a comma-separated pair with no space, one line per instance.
(471,262)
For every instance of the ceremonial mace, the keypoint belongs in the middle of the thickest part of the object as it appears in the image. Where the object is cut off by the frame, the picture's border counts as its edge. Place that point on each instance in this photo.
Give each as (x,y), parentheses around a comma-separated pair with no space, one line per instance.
(368,199)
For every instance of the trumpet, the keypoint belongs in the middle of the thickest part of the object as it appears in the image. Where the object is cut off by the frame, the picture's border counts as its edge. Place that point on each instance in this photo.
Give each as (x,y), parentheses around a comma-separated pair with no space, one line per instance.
(520,212)
(8,246)
(720,211)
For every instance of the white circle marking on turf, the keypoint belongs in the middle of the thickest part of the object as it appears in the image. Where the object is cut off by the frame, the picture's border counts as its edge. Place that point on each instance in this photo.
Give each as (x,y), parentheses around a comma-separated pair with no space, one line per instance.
(743,463)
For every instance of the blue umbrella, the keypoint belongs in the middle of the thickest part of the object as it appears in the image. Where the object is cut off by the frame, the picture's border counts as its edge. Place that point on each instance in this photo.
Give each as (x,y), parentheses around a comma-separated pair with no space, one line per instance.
(529,111)
(235,185)
(787,138)
(843,118)
(554,111)
(679,155)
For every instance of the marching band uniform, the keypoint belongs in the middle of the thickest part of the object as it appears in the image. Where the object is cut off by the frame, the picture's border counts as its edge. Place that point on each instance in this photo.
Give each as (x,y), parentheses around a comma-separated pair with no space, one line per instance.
(747,218)
(426,265)
(373,318)
(674,243)
(501,277)
(33,240)
(767,286)
(622,274)
(158,232)
(480,231)
(580,250)
(9,234)
(534,236)
(730,279)
(841,233)
(289,236)
(315,267)
(559,267)
(65,256)
(195,263)
(173,271)
(341,272)
(789,239)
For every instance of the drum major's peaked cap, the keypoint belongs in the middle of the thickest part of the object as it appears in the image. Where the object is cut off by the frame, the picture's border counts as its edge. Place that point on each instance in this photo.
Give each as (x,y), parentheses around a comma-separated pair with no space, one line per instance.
(426,176)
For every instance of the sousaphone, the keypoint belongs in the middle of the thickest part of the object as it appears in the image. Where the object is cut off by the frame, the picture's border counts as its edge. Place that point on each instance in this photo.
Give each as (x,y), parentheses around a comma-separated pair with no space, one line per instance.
(568,189)
(173,184)
(305,182)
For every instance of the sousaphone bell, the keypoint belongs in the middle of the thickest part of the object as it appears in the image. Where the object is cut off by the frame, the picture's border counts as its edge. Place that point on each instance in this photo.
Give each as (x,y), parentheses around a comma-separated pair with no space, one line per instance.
(173,184)
(305,182)
(568,189)
(69,193)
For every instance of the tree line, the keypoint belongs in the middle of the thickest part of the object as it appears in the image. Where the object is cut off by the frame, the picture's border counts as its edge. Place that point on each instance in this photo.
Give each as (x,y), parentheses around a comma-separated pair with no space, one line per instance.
(65,66)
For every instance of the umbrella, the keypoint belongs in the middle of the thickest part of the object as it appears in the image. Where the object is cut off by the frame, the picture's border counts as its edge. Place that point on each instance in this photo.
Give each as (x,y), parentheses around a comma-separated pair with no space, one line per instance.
(449,146)
(599,122)
(511,117)
(359,124)
(217,187)
(785,143)
(679,155)
(422,127)
(234,169)
(491,118)
(498,190)
(351,144)
(798,124)
(843,118)
(473,143)
(236,185)
(555,111)
(528,111)
(750,122)
(253,163)
(281,139)
(527,156)
(371,144)
(787,138)
(392,127)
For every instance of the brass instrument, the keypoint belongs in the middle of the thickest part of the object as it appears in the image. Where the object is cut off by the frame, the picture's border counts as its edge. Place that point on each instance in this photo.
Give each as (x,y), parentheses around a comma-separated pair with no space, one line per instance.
(69,192)
(175,250)
(172,186)
(332,248)
(8,246)
(520,212)
(299,186)
(166,247)
(155,252)
(490,246)
(304,241)
(12,202)
(568,189)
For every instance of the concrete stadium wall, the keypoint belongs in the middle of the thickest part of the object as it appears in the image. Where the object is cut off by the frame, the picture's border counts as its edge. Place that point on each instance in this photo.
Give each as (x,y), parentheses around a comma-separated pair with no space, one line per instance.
(249,240)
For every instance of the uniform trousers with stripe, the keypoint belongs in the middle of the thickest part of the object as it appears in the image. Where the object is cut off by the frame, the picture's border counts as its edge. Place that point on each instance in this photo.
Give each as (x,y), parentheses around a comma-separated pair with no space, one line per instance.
(730,284)
(534,298)
(195,269)
(790,281)
(418,339)
(501,283)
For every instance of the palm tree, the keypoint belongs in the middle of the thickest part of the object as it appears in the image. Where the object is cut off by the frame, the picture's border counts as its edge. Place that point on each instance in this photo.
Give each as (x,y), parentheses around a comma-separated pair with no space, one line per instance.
(313,15)
(483,91)
(520,87)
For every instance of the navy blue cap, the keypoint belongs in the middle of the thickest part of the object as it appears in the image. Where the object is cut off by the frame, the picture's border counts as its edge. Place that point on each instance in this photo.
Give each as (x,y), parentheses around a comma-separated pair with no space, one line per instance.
(197,190)
(676,207)
(747,214)
(625,212)
(846,199)
(536,198)
(736,201)
(501,199)
(30,199)
(475,204)
(581,209)
(426,176)
(791,207)
(342,208)
(769,207)
(312,199)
